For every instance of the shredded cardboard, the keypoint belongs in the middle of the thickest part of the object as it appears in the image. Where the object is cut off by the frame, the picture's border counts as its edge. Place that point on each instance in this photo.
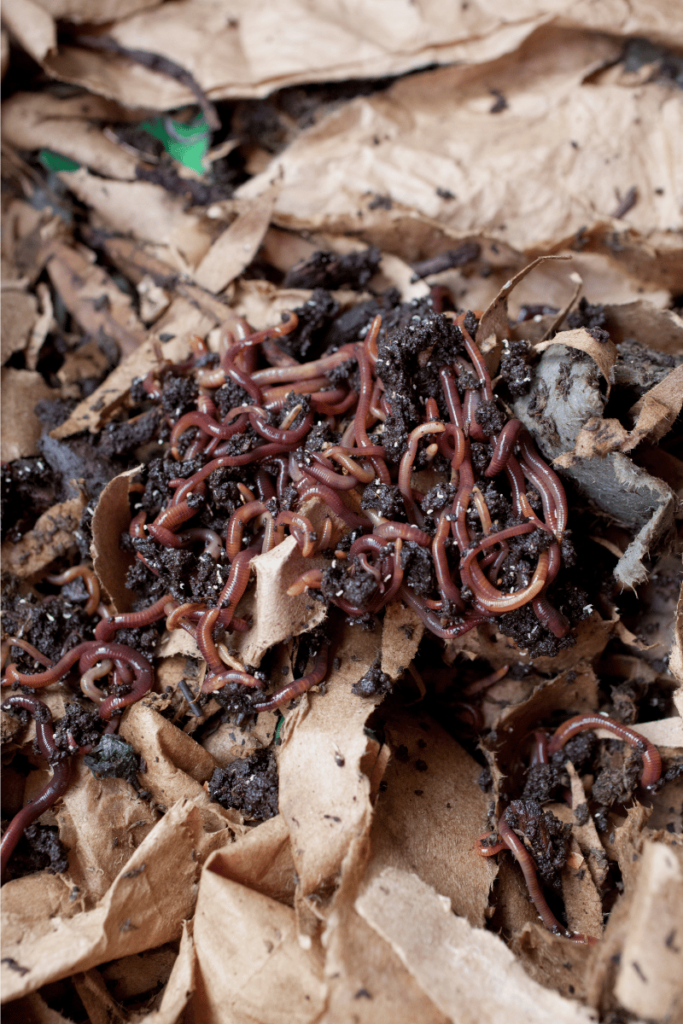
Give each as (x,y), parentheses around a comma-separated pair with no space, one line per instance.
(139,911)
(324,741)
(364,897)
(649,975)
(250,964)
(468,973)
(431,787)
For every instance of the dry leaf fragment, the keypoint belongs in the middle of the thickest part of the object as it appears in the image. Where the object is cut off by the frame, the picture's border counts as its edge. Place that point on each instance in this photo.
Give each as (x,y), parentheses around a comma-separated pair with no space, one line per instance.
(494,320)
(657,410)
(467,972)
(143,210)
(260,860)
(98,1003)
(32,26)
(93,12)
(176,764)
(21,428)
(604,353)
(564,398)
(92,413)
(365,973)
(39,120)
(276,616)
(402,631)
(552,961)
(19,315)
(33,1010)
(92,298)
(51,538)
(429,141)
(237,246)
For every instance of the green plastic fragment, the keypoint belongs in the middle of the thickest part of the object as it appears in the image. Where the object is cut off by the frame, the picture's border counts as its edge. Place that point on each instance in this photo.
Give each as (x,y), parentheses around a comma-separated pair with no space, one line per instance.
(186,143)
(56,162)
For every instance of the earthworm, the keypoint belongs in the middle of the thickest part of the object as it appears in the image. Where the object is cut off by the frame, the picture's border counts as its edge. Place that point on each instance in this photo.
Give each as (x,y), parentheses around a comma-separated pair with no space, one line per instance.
(452,397)
(142,672)
(528,866)
(301,529)
(432,622)
(326,475)
(326,536)
(263,452)
(505,443)
(163,527)
(333,500)
(176,615)
(106,628)
(652,762)
(325,409)
(98,671)
(550,481)
(486,682)
(513,472)
(539,751)
(447,588)
(237,522)
(364,398)
(551,618)
(225,676)
(205,641)
(311,578)
(473,576)
(207,425)
(91,581)
(53,674)
(280,374)
(470,406)
(15,641)
(236,583)
(482,510)
(298,686)
(529,514)
(310,386)
(477,360)
(56,787)
(212,541)
(406,531)
(278,436)
(265,485)
(406,466)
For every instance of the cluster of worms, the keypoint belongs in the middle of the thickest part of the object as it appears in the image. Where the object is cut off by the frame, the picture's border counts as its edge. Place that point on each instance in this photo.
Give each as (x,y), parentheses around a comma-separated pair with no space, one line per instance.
(338,430)
(523,819)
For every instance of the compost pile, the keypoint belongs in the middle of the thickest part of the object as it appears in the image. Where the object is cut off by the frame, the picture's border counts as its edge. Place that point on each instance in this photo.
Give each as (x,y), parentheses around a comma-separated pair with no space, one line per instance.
(341,563)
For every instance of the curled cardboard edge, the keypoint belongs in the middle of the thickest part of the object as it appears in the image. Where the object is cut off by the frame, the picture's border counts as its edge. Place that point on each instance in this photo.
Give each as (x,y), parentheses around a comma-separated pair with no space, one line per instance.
(494,319)
(604,354)
(111,518)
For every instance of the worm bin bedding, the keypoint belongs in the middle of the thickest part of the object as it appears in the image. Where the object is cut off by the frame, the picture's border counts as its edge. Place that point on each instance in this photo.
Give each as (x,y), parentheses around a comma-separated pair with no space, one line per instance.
(341,494)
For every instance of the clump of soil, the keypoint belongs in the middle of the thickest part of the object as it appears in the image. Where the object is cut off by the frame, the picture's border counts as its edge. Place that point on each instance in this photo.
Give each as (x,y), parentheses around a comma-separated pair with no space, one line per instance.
(250,785)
